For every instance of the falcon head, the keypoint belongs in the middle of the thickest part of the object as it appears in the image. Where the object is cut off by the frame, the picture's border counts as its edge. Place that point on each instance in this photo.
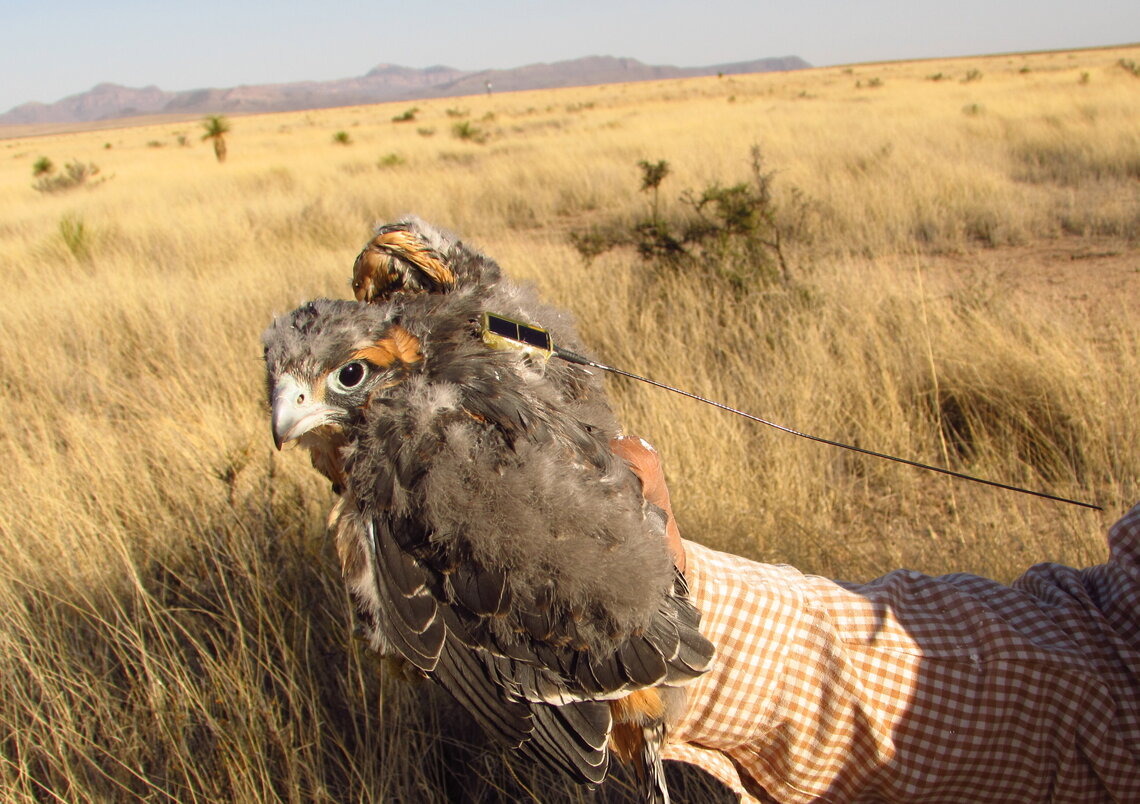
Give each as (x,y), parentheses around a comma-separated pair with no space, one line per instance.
(325,361)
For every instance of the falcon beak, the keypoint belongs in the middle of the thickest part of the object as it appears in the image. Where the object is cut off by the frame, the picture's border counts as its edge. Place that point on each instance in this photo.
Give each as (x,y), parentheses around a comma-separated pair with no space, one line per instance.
(295,411)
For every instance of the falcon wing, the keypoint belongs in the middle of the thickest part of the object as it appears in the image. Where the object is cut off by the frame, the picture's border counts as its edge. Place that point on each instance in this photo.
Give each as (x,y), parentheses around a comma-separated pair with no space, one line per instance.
(404,601)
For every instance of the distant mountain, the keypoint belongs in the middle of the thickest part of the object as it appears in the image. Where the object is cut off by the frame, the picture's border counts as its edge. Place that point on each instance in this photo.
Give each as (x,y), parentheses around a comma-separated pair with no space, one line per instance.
(385,82)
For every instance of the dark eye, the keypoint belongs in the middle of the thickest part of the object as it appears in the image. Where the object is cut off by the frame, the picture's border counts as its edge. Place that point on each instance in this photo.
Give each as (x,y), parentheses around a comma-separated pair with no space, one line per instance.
(351,375)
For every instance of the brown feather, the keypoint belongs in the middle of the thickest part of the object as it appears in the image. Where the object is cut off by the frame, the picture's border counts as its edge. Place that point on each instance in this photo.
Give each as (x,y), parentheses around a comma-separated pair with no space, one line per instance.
(629,714)
(397,345)
(376,272)
(324,445)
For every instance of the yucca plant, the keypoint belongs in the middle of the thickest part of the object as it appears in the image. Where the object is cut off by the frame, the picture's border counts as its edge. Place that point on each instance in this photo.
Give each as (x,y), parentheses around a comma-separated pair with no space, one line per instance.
(217,127)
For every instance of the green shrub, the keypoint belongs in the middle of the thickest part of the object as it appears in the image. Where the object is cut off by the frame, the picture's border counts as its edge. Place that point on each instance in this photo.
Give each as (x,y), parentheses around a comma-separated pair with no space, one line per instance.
(735,234)
(75,173)
(466,130)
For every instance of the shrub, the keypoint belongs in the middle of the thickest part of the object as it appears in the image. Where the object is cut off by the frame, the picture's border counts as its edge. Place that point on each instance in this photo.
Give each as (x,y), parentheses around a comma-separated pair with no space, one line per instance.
(407,116)
(735,234)
(390,160)
(464,159)
(466,130)
(341,138)
(75,173)
(43,167)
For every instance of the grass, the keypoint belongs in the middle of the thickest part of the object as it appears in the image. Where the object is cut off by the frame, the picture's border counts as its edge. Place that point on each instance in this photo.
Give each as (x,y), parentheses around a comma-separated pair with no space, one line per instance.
(172,626)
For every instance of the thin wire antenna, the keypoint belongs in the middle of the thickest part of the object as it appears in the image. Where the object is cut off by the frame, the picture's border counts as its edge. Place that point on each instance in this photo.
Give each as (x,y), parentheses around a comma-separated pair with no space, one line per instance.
(503,333)
(571,357)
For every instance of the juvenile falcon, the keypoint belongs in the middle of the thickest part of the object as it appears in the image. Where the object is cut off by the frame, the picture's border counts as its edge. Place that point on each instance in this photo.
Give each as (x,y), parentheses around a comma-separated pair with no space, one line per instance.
(486,531)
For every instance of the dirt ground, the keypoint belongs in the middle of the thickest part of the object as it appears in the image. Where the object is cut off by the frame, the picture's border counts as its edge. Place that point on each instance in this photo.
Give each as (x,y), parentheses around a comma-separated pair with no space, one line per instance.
(1101,275)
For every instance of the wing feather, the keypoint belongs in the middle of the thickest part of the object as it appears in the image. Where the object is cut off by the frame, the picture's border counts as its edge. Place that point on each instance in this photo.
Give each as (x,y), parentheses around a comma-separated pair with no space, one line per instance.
(460,673)
(407,617)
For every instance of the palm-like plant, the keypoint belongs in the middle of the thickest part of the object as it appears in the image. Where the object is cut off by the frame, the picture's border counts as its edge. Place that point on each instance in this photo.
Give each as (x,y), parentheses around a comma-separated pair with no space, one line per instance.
(217,127)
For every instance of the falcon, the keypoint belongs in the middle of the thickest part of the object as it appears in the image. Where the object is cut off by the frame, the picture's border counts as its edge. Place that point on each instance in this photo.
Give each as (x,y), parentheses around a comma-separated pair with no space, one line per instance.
(488,535)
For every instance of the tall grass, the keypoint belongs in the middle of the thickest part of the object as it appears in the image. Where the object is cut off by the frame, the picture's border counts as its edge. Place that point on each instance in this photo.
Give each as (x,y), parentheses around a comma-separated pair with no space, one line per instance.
(172,626)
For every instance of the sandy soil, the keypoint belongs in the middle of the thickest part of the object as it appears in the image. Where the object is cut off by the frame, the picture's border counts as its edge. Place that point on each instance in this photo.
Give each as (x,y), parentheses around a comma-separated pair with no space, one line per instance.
(1101,275)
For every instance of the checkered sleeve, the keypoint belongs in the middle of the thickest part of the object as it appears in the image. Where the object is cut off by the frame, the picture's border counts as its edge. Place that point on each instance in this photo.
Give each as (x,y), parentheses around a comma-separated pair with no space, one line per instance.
(919,689)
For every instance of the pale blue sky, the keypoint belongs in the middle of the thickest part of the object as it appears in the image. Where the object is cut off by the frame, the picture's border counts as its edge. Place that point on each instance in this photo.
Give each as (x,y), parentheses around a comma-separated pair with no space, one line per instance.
(53,48)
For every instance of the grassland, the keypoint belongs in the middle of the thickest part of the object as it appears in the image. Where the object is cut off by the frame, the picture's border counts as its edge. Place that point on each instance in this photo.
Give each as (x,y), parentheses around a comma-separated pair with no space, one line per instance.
(965,271)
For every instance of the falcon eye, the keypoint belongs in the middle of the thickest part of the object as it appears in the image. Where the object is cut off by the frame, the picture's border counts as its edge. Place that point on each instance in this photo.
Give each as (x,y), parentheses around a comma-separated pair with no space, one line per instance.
(350,375)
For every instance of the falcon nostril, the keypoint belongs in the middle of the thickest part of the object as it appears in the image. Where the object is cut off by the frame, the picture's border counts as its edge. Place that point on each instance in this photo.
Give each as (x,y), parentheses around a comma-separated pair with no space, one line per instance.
(300,399)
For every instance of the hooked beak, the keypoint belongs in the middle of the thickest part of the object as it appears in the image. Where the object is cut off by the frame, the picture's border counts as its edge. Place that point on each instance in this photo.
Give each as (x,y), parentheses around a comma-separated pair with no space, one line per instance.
(295,411)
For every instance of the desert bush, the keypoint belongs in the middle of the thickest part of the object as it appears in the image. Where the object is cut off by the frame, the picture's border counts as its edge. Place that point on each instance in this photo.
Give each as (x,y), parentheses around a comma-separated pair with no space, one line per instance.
(75,174)
(406,116)
(466,130)
(735,233)
(341,138)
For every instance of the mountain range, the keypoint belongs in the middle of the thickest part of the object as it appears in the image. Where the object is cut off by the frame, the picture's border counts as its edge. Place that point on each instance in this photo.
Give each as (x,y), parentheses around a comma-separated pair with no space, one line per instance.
(385,82)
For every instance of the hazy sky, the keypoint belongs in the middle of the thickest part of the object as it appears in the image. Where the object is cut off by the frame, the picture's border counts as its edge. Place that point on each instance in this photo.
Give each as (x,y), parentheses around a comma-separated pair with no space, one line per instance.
(53,48)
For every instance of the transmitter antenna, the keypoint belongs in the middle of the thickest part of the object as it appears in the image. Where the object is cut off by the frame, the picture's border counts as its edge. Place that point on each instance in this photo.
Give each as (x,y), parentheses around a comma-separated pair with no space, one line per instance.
(503,333)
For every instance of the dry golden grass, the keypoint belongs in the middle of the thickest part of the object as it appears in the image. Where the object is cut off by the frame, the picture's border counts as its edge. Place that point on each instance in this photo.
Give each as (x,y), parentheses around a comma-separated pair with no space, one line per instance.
(172,625)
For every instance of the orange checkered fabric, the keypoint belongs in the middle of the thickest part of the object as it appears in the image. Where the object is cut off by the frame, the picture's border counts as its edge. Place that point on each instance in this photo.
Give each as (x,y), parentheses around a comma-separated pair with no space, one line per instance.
(919,689)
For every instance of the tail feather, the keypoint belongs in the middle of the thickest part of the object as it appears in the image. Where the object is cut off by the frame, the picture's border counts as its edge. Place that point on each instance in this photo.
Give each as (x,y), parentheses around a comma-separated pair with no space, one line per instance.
(650,770)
